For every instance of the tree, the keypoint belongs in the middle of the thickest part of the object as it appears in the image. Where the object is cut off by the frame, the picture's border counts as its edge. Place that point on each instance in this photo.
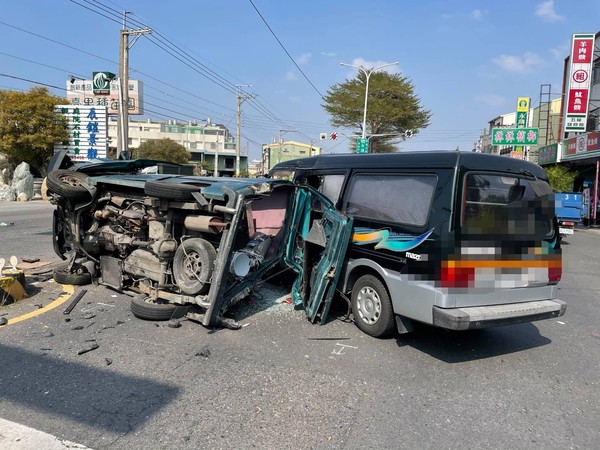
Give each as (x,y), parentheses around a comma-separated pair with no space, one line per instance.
(561,180)
(163,150)
(392,108)
(29,127)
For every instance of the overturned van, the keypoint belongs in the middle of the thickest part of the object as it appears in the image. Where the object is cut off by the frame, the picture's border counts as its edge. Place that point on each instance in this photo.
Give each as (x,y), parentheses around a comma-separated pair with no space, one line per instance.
(451,239)
(192,245)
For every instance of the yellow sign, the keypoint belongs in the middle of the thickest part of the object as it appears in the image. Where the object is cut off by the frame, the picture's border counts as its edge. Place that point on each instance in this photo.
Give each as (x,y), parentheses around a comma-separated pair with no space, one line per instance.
(523,104)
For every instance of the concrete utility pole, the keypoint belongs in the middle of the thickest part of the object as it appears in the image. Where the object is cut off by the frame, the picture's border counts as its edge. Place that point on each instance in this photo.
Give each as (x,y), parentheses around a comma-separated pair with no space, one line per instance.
(281,132)
(123,116)
(241,96)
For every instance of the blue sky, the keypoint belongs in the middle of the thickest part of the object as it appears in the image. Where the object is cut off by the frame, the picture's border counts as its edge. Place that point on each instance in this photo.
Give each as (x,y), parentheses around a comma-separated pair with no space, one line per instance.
(468,60)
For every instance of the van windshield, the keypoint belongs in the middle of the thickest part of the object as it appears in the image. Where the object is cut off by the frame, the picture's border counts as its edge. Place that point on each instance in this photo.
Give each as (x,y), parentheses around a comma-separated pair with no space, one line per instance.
(507,205)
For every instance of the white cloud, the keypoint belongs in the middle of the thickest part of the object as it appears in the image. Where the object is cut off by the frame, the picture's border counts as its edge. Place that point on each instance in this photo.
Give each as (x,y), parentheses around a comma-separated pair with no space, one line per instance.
(303,58)
(477,14)
(494,100)
(545,11)
(290,76)
(360,62)
(329,54)
(519,64)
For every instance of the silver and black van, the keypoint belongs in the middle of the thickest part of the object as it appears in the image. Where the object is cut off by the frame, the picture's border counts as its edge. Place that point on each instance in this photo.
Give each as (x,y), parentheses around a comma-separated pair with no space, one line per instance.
(452,239)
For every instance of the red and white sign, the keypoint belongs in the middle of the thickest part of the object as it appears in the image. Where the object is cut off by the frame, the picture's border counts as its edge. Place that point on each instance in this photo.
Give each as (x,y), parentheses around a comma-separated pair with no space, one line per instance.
(582,52)
(583,143)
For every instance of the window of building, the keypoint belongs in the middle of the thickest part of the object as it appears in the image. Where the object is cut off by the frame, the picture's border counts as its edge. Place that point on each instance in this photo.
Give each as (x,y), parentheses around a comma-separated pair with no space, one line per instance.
(404,199)
(229,163)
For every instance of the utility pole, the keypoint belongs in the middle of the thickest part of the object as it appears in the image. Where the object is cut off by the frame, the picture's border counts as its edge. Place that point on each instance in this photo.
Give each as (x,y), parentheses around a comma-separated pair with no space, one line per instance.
(123,117)
(241,96)
(281,132)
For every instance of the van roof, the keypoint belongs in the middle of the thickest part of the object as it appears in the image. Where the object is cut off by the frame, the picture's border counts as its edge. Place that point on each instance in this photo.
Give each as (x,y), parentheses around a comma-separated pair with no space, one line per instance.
(424,159)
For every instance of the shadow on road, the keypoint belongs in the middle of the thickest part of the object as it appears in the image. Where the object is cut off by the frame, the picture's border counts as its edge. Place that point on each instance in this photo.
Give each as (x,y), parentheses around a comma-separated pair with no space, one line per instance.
(461,346)
(98,398)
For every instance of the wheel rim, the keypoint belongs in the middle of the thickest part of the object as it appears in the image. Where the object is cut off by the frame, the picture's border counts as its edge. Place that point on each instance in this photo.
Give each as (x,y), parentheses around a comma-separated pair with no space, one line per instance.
(192,266)
(369,305)
(70,180)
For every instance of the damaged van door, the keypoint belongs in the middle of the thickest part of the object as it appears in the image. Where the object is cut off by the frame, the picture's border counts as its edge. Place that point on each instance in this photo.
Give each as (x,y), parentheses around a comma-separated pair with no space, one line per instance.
(316,249)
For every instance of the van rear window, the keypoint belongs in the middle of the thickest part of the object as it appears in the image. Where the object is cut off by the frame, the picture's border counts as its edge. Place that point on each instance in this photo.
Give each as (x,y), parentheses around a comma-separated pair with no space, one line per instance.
(498,204)
(403,199)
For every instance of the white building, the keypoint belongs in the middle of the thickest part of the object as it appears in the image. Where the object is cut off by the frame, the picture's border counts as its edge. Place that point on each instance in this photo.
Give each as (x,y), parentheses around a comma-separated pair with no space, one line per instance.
(205,141)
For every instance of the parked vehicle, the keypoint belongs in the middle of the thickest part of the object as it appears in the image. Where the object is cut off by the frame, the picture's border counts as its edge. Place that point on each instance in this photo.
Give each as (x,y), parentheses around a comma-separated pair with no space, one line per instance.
(451,239)
(196,243)
(569,211)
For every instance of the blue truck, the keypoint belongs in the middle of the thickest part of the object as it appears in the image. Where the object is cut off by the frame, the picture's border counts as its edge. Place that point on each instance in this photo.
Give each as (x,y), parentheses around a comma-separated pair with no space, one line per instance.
(569,211)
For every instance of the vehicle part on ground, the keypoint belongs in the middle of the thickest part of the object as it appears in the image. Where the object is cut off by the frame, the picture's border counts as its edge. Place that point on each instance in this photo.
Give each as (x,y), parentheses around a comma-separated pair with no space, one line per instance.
(68,184)
(144,307)
(63,276)
(372,307)
(193,265)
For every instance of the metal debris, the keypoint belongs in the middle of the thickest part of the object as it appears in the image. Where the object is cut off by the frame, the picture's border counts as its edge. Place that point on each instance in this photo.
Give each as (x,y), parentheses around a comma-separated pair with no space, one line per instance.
(74,302)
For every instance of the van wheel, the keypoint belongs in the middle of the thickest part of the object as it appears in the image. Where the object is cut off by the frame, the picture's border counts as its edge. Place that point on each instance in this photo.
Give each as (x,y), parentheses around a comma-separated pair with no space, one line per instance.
(372,307)
(145,308)
(193,265)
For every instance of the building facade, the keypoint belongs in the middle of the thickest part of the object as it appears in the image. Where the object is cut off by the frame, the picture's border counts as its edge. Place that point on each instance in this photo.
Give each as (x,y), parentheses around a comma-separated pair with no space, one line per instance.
(285,151)
(206,142)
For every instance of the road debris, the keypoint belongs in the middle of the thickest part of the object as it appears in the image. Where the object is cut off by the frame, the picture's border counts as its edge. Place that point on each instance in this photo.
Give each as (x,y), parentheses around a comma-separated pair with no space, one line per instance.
(205,352)
(78,327)
(108,361)
(30,260)
(88,348)
(3,321)
(75,301)
(174,323)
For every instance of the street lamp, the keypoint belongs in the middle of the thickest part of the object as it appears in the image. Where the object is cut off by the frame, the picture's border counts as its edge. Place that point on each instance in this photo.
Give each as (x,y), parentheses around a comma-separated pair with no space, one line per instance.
(367,73)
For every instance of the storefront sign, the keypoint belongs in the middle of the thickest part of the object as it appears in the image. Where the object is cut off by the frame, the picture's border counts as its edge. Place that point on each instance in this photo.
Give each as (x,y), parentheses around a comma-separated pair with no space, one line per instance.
(583,144)
(88,132)
(582,51)
(514,136)
(81,92)
(548,154)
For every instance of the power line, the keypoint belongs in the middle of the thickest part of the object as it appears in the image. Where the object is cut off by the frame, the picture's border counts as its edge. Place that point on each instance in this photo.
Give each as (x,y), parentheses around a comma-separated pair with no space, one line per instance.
(285,50)
(31,81)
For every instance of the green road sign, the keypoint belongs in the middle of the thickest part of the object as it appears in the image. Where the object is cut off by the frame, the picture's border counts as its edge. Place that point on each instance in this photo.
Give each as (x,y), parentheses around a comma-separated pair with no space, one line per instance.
(514,136)
(362,145)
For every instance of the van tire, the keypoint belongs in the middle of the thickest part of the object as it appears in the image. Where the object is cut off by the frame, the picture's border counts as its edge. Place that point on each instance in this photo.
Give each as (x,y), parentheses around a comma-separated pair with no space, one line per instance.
(193,265)
(143,307)
(170,191)
(372,307)
(68,184)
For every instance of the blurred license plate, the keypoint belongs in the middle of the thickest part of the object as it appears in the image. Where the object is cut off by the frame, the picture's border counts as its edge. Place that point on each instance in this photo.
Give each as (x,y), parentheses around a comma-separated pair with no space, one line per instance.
(565,230)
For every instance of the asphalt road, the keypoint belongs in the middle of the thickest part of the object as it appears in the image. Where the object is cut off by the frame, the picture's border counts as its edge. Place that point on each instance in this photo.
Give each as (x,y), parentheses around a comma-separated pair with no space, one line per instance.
(281,382)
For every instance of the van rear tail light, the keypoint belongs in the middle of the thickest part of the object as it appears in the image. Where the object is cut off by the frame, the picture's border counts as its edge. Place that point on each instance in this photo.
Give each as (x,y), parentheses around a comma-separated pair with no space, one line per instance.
(554,274)
(457,277)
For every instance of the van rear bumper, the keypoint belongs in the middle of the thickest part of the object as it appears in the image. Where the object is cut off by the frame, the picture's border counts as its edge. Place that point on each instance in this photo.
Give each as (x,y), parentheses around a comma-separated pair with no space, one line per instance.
(488,316)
